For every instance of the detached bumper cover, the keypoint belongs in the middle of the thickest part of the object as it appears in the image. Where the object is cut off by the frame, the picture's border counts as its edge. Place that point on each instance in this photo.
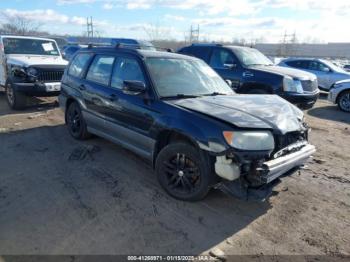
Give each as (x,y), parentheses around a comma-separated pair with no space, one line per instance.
(277,167)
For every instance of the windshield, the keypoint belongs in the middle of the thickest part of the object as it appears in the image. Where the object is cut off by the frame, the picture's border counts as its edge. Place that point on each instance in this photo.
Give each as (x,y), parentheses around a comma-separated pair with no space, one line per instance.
(176,77)
(251,56)
(25,46)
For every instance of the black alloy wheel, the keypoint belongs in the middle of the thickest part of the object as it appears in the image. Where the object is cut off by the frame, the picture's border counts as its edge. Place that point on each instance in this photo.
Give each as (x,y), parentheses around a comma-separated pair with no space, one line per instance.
(75,122)
(184,171)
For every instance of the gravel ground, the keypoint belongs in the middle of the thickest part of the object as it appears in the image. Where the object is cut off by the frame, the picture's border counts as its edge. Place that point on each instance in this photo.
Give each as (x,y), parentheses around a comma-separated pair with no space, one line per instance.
(62,196)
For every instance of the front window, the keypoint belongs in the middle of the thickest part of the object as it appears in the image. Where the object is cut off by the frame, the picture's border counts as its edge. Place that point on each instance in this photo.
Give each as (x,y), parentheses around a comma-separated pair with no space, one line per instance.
(251,57)
(27,46)
(174,77)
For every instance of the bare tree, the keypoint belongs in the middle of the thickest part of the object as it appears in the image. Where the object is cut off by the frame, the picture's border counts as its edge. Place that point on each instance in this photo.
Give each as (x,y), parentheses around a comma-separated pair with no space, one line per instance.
(19,25)
(156,32)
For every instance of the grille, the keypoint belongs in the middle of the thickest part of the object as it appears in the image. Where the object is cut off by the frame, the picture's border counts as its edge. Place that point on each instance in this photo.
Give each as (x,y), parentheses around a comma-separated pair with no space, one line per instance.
(50,76)
(309,85)
(285,140)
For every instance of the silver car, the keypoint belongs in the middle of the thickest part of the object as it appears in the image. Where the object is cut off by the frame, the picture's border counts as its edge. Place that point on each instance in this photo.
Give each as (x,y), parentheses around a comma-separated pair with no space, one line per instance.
(340,94)
(327,73)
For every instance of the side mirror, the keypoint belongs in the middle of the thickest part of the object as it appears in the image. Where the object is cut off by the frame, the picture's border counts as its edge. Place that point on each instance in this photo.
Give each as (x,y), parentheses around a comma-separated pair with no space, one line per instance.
(134,87)
(326,70)
(230,65)
(229,82)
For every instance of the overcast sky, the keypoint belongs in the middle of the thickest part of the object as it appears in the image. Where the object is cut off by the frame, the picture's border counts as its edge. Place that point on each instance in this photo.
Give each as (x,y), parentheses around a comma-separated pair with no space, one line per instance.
(321,20)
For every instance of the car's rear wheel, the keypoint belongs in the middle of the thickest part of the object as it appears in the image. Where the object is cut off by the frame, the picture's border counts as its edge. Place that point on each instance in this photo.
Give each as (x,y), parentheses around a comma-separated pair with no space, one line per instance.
(184,172)
(344,101)
(75,122)
(16,100)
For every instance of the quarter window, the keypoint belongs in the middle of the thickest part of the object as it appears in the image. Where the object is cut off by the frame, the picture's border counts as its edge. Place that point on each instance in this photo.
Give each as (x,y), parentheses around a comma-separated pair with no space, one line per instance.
(220,57)
(126,69)
(78,64)
(100,70)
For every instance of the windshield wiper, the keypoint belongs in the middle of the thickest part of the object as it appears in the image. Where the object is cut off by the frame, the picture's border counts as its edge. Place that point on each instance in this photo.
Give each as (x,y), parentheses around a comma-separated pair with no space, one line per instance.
(181,96)
(215,94)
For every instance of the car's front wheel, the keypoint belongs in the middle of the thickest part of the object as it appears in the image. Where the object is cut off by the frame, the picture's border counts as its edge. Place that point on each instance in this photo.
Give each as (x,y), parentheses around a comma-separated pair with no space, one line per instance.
(16,100)
(75,122)
(344,101)
(184,172)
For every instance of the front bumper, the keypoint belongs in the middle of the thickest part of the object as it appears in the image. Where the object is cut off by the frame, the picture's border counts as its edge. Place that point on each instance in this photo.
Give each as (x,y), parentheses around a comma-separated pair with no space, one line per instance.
(304,101)
(275,168)
(268,174)
(34,89)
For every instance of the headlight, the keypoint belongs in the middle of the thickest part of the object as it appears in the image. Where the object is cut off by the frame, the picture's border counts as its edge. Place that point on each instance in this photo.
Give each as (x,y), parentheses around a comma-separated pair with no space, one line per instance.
(250,140)
(32,72)
(291,85)
(18,71)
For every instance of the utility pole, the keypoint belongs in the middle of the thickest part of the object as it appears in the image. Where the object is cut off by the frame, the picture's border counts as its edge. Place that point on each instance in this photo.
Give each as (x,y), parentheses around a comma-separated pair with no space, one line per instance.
(90,27)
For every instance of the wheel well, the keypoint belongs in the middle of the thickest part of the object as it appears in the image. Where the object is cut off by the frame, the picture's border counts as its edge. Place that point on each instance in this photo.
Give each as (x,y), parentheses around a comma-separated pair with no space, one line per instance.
(342,92)
(166,137)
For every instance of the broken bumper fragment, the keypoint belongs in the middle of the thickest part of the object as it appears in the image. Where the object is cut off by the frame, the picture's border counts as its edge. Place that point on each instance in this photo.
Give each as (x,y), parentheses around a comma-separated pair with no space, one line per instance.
(277,167)
(268,174)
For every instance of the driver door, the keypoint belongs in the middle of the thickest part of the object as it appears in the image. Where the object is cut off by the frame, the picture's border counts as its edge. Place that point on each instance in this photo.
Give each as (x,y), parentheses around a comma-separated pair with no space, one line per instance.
(130,119)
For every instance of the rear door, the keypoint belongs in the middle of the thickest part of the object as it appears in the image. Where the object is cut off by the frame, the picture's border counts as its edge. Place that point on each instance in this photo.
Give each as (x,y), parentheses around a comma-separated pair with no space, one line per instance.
(96,92)
(225,63)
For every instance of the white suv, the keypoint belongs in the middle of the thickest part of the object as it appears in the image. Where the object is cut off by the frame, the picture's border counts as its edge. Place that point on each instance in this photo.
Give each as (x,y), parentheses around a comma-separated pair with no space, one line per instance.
(29,66)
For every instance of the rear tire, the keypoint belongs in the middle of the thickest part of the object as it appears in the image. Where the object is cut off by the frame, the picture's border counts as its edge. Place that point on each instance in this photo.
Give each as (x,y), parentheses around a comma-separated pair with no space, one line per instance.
(16,100)
(184,171)
(344,101)
(76,123)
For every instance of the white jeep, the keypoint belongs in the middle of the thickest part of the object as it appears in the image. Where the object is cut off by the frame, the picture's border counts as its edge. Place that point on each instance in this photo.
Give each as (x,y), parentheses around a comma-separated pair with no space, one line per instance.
(30,66)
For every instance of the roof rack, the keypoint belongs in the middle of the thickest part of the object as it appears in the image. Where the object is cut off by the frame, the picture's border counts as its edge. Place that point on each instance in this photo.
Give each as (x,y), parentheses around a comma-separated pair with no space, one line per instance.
(91,45)
(206,44)
(139,46)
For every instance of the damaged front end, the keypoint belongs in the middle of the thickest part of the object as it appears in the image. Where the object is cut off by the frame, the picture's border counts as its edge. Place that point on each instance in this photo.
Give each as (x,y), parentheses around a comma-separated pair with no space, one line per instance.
(250,175)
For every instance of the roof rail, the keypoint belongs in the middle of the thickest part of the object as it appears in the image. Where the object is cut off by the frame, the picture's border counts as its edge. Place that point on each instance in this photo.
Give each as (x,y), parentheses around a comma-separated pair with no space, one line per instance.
(91,45)
(139,46)
(206,44)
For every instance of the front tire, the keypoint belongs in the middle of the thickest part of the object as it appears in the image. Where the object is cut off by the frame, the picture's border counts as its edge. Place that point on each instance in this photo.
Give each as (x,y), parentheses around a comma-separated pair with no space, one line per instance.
(16,100)
(75,122)
(344,101)
(184,171)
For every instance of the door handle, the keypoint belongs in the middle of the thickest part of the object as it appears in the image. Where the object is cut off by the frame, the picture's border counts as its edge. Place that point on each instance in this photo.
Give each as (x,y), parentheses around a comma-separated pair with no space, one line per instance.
(113,97)
(82,87)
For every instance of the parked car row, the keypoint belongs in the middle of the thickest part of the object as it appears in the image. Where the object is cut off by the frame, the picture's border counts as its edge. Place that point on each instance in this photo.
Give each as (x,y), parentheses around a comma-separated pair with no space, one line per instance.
(251,72)
(175,110)
(327,73)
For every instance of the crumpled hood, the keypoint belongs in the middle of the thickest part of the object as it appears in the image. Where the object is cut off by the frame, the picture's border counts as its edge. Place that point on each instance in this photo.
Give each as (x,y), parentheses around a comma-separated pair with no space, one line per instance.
(32,60)
(294,73)
(249,111)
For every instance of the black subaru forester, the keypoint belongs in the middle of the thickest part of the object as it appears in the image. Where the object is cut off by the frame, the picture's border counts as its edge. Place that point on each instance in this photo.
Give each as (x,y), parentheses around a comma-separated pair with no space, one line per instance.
(175,111)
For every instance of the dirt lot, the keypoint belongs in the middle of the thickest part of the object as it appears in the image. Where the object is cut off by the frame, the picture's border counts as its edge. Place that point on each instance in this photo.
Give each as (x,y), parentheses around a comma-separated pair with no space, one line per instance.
(61,196)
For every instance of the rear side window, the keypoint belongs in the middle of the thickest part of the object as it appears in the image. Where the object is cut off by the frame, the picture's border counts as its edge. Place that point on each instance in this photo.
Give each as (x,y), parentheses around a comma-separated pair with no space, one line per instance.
(298,64)
(78,64)
(220,57)
(202,52)
(100,70)
(126,69)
